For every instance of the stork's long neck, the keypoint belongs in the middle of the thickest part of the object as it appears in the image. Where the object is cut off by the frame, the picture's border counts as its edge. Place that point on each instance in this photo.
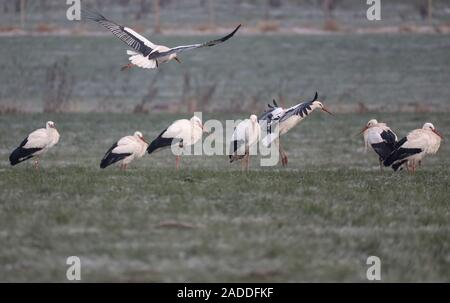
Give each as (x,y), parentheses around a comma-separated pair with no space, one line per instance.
(52,132)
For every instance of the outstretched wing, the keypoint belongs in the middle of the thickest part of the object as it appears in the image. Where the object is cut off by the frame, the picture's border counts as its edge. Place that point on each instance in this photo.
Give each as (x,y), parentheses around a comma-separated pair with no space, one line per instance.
(302,109)
(183,48)
(127,35)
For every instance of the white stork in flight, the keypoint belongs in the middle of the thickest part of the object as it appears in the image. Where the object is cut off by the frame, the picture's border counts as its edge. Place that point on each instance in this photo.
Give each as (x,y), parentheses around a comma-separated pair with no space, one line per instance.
(381,138)
(125,151)
(146,54)
(245,135)
(35,144)
(412,149)
(181,133)
(287,119)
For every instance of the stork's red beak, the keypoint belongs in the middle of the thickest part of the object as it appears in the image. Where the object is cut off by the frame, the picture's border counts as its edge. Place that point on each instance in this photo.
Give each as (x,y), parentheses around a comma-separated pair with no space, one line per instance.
(438,133)
(143,139)
(327,111)
(176,59)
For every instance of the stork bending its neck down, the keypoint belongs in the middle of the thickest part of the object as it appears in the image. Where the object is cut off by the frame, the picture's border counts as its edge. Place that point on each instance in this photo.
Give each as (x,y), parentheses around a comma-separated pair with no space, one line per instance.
(381,138)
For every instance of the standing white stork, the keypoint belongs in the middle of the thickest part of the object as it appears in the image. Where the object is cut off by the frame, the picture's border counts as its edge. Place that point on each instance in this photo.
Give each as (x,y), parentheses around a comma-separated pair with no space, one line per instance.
(381,138)
(288,118)
(412,149)
(125,150)
(181,133)
(35,144)
(146,54)
(245,135)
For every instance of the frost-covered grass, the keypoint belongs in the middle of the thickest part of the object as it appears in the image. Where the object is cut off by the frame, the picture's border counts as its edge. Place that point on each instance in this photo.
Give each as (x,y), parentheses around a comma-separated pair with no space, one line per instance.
(317,220)
(387,71)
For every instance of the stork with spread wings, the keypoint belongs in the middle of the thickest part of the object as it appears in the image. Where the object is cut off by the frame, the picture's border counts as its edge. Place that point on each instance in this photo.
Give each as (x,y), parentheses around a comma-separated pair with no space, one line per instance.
(146,54)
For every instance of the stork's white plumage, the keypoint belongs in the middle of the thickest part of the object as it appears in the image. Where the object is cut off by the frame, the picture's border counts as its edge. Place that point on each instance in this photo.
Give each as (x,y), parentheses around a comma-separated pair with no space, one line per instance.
(124,151)
(380,137)
(245,135)
(146,54)
(412,149)
(286,119)
(35,144)
(181,133)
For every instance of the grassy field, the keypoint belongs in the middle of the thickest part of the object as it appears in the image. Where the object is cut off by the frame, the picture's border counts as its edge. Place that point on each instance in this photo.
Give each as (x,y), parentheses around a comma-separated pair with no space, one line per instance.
(317,220)
(386,72)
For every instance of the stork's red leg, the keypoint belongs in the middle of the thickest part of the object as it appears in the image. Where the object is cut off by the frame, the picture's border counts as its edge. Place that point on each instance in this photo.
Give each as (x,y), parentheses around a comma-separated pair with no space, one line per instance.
(128,66)
(284,158)
(36,164)
(177,162)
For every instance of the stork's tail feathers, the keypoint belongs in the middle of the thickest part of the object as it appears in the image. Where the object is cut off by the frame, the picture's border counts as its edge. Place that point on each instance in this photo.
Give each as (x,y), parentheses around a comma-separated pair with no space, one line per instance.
(396,165)
(399,155)
(21,154)
(159,143)
(141,61)
(112,158)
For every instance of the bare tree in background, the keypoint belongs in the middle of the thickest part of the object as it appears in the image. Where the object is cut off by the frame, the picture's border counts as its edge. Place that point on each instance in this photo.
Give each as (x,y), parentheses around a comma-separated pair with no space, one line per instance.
(58,86)
(209,5)
(157,8)
(23,8)
(430,11)
(143,9)
(425,9)
(212,14)
(198,91)
(149,97)
(328,6)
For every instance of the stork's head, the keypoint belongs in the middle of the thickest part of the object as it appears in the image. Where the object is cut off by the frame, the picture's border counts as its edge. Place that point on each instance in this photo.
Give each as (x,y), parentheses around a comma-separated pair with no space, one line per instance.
(50,124)
(318,104)
(254,119)
(174,57)
(430,126)
(369,124)
(196,121)
(140,136)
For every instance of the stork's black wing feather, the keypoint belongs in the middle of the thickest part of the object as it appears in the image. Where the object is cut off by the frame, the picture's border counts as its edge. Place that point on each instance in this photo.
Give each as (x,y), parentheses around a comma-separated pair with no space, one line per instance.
(400,153)
(389,137)
(124,34)
(111,158)
(183,48)
(301,110)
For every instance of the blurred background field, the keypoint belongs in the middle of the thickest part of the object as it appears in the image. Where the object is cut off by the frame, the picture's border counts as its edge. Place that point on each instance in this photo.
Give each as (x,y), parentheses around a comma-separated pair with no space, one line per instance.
(46,16)
(351,72)
(74,66)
